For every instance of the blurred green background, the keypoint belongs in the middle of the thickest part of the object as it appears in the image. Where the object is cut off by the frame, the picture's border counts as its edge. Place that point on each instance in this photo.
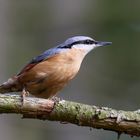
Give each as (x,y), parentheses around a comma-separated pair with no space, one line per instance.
(109,76)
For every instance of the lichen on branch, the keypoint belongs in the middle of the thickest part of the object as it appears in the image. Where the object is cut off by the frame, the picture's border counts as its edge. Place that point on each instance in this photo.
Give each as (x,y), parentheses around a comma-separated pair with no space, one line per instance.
(120,121)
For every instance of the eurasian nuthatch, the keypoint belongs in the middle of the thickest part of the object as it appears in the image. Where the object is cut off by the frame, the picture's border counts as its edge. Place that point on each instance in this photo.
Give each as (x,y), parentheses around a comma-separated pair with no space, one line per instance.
(45,75)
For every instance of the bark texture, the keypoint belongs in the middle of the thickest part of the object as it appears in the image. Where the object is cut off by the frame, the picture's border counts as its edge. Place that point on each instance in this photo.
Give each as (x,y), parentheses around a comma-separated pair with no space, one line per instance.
(120,121)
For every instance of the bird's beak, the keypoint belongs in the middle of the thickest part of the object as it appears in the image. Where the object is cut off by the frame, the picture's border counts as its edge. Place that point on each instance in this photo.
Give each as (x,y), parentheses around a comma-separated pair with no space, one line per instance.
(102,43)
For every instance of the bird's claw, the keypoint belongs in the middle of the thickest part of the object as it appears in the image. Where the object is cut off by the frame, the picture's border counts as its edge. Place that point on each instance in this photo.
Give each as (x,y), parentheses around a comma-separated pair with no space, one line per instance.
(23,95)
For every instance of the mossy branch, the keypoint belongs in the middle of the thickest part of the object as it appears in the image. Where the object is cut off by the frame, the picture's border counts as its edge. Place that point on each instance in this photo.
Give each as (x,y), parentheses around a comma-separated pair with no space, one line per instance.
(127,122)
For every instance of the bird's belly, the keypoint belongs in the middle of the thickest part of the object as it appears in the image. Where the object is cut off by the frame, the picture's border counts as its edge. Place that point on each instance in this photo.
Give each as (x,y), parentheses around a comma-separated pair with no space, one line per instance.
(50,84)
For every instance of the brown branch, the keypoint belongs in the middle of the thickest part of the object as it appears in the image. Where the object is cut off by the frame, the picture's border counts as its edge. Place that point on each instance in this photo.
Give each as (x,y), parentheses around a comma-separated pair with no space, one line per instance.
(65,111)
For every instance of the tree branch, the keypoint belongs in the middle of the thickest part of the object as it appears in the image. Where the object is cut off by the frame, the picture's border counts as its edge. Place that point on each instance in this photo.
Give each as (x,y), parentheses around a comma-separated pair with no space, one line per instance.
(127,122)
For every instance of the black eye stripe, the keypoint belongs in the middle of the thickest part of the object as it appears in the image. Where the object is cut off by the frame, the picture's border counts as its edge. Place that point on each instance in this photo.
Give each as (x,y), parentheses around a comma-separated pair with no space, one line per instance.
(78,42)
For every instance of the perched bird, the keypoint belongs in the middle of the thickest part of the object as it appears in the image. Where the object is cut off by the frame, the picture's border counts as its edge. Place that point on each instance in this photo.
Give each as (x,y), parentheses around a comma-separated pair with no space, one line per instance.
(45,75)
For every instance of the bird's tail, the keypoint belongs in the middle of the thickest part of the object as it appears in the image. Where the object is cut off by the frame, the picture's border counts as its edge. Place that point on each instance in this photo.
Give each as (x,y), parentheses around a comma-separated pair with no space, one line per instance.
(9,86)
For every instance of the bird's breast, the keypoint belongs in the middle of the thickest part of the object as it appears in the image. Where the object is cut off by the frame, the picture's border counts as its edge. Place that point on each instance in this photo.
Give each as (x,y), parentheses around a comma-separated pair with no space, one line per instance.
(64,64)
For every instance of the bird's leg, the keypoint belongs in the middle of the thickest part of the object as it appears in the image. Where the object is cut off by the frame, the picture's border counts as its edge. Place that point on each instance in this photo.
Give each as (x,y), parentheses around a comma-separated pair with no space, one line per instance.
(55,99)
(23,95)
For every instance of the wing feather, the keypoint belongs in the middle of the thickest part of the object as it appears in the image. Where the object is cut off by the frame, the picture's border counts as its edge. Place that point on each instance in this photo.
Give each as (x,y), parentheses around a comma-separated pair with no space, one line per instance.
(40,58)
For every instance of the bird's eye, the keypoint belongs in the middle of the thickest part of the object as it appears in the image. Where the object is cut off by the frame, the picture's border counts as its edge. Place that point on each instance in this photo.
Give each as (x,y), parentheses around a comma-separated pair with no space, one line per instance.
(89,41)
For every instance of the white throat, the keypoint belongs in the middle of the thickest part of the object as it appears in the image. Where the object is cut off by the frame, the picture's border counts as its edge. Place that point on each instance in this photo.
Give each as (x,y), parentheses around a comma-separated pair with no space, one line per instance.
(84,47)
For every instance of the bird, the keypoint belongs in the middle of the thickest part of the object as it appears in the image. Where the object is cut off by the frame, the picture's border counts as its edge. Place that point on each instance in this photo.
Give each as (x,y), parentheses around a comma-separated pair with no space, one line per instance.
(48,73)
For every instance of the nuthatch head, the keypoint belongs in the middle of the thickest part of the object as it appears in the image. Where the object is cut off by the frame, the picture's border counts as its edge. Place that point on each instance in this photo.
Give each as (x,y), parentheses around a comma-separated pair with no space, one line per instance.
(45,75)
(82,43)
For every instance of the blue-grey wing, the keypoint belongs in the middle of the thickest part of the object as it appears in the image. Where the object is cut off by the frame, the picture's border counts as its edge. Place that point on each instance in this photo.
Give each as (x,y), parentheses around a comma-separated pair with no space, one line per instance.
(42,57)
(47,54)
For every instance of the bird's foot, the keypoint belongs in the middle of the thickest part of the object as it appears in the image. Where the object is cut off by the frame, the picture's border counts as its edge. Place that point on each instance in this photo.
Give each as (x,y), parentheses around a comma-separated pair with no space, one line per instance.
(55,99)
(23,95)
